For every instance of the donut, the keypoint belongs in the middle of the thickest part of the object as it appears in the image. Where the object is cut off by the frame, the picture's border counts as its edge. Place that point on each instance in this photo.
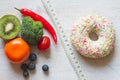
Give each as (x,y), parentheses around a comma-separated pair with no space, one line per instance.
(89,47)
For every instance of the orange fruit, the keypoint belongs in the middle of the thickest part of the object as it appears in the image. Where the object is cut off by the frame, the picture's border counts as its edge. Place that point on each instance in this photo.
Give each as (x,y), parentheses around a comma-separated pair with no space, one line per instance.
(17,50)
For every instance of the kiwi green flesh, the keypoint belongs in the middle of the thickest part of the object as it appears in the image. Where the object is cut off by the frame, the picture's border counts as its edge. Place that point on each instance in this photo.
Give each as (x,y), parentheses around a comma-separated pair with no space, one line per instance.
(9,27)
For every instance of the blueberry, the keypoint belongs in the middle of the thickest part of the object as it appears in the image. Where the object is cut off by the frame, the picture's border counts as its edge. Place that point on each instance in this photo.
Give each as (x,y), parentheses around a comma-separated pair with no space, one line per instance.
(45,67)
(31,66)
(24,66)
(26,74)
(33,57)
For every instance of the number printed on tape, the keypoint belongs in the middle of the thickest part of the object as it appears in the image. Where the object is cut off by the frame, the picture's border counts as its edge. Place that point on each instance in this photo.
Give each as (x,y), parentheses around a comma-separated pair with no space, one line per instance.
(70,54)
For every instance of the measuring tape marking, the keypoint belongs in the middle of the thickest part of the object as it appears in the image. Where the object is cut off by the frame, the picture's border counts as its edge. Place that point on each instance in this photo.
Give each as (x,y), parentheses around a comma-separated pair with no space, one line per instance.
(70,54)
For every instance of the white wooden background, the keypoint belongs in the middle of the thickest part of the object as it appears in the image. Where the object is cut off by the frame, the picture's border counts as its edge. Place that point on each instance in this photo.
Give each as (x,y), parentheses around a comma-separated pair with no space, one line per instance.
(60,68)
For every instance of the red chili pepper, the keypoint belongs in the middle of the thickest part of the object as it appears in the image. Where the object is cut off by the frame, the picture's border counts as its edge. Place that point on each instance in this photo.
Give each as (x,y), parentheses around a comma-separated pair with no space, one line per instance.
(37,17)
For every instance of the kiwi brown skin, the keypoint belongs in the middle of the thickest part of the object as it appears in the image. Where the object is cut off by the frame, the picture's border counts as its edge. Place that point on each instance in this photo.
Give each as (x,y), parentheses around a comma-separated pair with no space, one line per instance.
(14,31)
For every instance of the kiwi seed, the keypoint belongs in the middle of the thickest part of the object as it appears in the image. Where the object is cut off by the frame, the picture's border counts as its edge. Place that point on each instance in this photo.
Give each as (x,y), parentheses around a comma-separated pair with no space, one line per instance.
(9,27)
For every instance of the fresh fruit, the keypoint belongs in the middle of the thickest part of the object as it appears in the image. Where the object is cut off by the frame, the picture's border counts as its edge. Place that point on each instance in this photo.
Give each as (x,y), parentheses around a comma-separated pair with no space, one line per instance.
(45,67)
(17,50)
(31,66)
(24,67)
(33,57)
(26,74)
(9,27)
(44,43)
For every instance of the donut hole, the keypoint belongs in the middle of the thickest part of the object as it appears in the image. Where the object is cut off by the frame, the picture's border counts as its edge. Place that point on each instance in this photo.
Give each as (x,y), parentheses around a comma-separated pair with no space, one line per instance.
(93,36)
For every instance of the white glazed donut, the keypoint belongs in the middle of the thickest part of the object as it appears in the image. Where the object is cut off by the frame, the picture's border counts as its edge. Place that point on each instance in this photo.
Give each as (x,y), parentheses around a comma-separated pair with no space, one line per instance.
(80,36)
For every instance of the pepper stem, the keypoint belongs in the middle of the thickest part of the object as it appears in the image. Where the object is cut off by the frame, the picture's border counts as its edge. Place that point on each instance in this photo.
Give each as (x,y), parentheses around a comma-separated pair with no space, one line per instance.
(17,9)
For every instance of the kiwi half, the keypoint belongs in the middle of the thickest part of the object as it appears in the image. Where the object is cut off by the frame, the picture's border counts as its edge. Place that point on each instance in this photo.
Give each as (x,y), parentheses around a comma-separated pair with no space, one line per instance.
(9,27)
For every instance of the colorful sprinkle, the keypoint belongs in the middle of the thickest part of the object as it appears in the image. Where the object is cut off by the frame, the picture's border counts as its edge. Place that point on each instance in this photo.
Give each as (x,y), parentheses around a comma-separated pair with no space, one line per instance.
(87,47)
